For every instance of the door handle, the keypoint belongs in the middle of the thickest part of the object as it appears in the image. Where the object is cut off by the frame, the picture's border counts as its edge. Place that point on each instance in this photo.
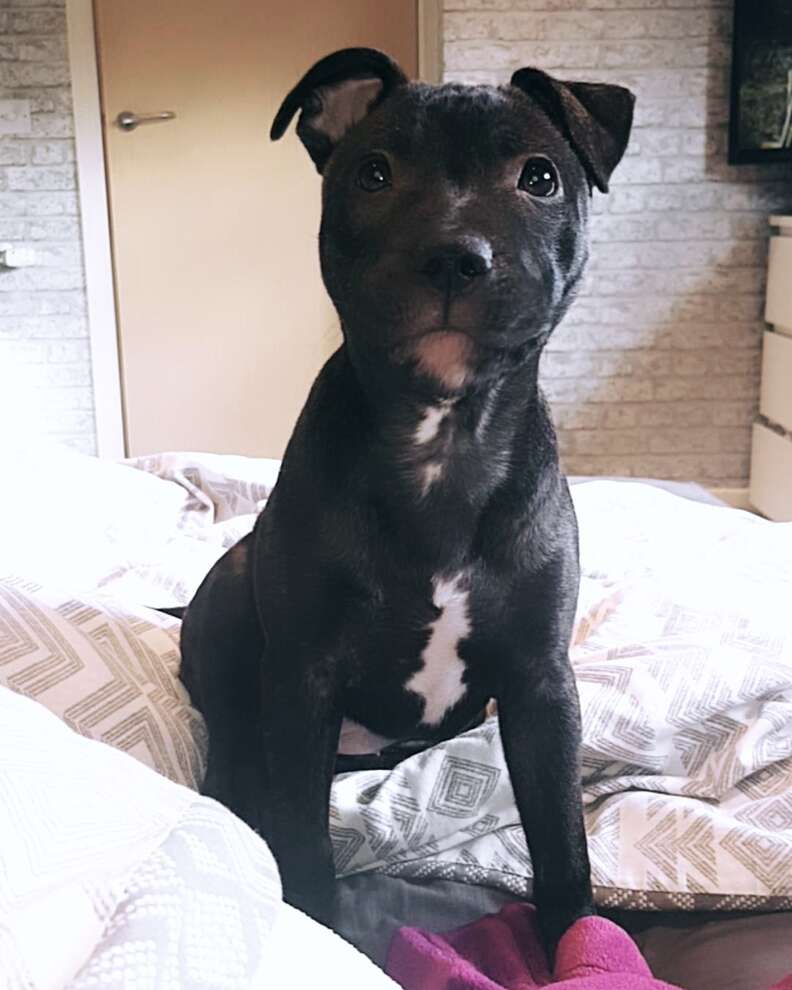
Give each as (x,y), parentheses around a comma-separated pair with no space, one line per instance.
(127,120)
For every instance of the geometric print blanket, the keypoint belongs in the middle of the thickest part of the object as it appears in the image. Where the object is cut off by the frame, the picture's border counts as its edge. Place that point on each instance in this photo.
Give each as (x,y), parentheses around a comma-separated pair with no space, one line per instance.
(682,652)
(683,657)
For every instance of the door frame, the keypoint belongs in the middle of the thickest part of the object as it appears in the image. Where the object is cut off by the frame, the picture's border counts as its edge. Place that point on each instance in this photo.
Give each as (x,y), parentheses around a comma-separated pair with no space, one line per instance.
(95,208)
(95,227)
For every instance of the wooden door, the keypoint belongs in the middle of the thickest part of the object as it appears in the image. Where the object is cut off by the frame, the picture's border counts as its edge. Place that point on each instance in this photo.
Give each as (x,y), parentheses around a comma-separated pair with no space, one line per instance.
(223,320)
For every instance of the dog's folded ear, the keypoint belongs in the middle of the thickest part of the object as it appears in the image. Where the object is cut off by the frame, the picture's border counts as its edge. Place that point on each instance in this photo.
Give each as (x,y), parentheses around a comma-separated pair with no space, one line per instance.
(335,94)
(595,118)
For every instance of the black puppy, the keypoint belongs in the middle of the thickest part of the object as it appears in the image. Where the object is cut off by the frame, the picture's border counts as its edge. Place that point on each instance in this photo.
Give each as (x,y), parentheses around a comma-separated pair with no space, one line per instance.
(418,555)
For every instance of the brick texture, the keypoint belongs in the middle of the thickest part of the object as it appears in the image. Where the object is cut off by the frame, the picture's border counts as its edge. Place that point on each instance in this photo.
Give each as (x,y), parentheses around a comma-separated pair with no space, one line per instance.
(655,371)
(45,363)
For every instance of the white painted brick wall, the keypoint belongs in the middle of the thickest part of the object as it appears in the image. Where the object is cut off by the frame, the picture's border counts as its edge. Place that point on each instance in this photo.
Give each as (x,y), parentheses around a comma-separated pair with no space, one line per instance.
(45,364)
(655,371)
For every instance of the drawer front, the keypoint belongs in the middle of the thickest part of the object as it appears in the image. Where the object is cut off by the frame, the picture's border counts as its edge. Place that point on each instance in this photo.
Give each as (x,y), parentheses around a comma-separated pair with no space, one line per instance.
(778,309)
(775,398)
(771,474)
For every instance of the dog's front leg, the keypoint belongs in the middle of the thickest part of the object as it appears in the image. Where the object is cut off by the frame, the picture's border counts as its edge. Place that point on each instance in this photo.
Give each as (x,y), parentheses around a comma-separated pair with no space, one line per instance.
(301,721)
(539,716)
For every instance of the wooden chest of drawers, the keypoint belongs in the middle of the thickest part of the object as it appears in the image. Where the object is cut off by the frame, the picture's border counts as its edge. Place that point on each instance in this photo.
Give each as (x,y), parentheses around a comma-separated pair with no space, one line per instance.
(771,459)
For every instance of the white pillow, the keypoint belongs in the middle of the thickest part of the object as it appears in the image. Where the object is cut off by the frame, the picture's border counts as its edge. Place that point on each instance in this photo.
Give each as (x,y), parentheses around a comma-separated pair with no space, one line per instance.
(147,530)
(76,521)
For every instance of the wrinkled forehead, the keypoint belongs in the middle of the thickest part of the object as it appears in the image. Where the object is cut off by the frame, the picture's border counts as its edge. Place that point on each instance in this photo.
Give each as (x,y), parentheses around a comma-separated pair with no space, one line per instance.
(463,130)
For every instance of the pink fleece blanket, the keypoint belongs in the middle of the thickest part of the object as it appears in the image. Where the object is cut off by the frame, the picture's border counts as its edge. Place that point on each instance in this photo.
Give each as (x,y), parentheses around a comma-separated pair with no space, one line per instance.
(502,952)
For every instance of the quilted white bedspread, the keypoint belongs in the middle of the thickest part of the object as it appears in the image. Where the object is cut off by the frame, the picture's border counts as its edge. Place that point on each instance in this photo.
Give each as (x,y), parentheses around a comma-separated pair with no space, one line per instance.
(111,876)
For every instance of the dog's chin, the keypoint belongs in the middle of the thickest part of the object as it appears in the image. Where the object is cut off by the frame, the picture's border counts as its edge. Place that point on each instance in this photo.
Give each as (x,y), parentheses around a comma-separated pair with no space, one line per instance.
(443,357)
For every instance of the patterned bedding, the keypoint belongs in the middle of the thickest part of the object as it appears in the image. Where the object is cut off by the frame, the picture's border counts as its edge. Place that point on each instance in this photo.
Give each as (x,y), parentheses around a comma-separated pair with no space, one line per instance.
(114,877)
(683,652)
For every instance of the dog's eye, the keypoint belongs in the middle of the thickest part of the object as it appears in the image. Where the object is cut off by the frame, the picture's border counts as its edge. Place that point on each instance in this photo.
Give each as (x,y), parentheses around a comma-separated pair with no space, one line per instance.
(374,174)
(539,177)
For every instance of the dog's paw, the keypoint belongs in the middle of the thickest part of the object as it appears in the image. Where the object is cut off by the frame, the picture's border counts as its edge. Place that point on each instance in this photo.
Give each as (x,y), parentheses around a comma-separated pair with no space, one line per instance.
(554,921)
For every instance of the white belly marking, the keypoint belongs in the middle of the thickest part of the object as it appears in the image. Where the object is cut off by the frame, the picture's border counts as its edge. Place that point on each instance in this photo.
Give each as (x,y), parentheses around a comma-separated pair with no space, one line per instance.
(439,681)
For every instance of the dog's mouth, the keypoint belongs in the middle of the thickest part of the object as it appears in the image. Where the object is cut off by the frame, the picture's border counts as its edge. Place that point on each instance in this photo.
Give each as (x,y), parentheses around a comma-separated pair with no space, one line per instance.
(444,355)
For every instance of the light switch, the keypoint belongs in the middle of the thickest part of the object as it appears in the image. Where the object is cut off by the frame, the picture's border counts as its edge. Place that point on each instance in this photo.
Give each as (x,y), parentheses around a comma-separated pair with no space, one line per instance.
(17,257)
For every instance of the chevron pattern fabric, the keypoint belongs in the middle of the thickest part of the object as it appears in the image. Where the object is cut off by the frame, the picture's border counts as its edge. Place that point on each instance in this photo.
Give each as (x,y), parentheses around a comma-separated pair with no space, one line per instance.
(109,671)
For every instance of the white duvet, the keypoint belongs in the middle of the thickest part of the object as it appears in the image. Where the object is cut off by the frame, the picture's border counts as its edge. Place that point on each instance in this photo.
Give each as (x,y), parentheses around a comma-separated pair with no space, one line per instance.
(111,876)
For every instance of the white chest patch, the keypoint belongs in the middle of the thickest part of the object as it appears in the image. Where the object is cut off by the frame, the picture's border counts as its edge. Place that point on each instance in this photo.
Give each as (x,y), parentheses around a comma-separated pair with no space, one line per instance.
(429,426)
(430,474)
(439,681)
(427,431)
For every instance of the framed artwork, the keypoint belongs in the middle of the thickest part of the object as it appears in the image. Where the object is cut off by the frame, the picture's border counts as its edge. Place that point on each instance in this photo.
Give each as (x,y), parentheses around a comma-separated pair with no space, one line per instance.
(760,121)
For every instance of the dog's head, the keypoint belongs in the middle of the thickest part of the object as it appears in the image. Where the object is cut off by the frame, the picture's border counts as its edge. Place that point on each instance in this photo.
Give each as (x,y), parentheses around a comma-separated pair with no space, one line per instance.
(453,226)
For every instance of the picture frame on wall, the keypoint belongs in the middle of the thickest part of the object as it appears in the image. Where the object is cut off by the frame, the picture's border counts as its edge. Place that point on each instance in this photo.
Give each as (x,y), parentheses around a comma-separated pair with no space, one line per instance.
(760,119)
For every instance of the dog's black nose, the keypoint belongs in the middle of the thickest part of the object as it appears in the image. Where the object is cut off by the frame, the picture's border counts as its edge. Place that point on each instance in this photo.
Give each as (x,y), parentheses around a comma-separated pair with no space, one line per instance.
(455,266)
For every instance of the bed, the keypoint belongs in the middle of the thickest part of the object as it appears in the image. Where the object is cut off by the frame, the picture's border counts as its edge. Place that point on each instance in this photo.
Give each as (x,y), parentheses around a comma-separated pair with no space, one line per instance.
(682,651)
(114,876)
